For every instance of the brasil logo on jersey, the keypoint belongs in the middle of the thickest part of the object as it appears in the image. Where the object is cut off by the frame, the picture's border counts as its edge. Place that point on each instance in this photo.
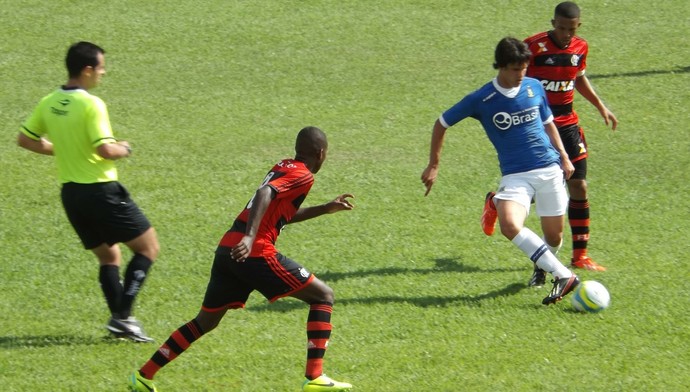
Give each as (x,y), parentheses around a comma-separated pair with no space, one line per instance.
(503,121)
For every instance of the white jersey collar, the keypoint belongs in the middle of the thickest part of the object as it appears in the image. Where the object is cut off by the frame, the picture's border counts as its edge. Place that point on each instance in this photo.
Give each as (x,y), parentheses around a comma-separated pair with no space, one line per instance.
(508,92)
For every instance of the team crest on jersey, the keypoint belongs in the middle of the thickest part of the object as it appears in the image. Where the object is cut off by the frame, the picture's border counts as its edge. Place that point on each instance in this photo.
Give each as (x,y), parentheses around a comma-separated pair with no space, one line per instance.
(575,60)
(530,93)
(542,47)
(304,272)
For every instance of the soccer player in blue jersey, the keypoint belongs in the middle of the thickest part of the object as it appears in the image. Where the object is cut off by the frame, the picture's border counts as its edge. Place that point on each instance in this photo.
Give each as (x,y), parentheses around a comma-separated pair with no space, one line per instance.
(559,62)
(534,164)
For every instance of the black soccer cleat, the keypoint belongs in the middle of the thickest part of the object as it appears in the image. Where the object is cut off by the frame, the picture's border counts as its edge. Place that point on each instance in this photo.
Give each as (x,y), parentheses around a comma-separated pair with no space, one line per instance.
(129,328)
(561,287)
(538,278)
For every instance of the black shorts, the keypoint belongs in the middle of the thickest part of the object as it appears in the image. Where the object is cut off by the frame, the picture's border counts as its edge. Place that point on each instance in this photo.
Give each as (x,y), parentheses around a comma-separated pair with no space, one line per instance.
(231,282)
(102,213)
(580,170)
(573,138)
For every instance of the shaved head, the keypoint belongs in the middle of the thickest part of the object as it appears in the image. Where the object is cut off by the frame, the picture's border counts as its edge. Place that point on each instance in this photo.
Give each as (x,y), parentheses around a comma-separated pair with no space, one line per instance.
(311,147)
(310,141)
(568,10)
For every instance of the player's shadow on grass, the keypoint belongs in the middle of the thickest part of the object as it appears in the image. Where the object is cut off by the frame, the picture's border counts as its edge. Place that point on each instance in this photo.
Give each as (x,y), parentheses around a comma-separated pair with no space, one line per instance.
(432,301)
(441,265)
(676,70)
(422,302)
(39,341)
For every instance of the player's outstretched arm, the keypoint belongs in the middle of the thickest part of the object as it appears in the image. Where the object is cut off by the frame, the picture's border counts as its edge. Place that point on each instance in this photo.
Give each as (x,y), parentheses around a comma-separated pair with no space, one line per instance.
(431,171)
(340,203)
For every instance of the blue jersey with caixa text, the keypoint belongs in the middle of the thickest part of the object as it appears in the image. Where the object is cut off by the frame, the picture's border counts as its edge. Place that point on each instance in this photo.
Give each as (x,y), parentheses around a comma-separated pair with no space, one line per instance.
(514,122)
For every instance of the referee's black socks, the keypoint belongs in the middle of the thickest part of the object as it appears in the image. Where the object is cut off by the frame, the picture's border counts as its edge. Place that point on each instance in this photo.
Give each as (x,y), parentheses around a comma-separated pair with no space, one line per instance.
(136,272)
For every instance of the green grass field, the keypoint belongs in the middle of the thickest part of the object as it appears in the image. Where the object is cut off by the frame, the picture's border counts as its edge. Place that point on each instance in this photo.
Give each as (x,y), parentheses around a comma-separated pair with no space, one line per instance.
(212,93)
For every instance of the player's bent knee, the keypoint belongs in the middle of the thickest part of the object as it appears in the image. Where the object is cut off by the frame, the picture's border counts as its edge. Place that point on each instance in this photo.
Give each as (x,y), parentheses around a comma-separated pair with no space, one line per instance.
(152,245)
(323,292)
(316,292)
(328,295)
(510,231)
(554,240)
(146,244)
(208,321)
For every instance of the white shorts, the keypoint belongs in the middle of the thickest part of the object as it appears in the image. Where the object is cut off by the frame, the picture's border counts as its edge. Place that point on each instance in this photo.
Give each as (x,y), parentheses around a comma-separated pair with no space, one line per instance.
(545,185)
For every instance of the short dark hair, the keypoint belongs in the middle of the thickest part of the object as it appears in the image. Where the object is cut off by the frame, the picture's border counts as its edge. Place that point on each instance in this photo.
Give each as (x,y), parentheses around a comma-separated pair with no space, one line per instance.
(511,51)
(310,141)
(567,9)
(81,55)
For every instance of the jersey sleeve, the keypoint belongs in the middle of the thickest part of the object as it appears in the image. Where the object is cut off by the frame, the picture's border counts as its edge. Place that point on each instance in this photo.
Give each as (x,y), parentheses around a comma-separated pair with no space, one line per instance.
(459,111)
(583,61)
(34,126)
(293,179)
(99,129)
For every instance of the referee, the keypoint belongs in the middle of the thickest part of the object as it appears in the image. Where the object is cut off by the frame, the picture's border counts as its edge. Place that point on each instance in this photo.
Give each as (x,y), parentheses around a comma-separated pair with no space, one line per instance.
(73,125)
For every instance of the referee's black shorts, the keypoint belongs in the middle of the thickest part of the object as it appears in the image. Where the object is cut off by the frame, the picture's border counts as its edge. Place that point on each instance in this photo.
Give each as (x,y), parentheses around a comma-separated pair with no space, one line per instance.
(102,213)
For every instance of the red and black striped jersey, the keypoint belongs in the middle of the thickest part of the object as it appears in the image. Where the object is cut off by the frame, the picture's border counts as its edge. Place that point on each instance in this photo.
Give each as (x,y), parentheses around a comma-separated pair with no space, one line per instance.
(291,181)
(557,70)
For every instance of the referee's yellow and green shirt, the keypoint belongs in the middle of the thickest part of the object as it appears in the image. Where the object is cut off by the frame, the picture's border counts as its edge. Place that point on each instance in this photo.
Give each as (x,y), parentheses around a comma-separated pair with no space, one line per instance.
(76,122)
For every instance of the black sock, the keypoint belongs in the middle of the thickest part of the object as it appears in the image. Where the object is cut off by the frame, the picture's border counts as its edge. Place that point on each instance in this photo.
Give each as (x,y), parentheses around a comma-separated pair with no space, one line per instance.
(109,276)
(134,278)
(578,217)
(177,343)
(318,333)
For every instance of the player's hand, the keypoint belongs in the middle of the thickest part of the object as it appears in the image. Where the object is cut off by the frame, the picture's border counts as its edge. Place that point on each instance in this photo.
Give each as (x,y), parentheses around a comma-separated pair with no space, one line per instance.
(568,168)
(429,178)
(340,203)
(609,118)
(126,145)
(241,251)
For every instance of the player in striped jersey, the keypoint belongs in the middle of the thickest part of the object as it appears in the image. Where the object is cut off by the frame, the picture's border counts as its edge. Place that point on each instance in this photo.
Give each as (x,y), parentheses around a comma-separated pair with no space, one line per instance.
(246,260)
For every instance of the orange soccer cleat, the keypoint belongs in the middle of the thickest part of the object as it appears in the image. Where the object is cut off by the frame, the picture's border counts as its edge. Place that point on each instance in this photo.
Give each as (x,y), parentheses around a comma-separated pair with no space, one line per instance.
(586,262)
(489,214)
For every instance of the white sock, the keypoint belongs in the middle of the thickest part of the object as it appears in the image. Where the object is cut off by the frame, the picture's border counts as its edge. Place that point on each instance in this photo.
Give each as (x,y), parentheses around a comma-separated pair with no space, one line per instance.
(535,248)
(553,249)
